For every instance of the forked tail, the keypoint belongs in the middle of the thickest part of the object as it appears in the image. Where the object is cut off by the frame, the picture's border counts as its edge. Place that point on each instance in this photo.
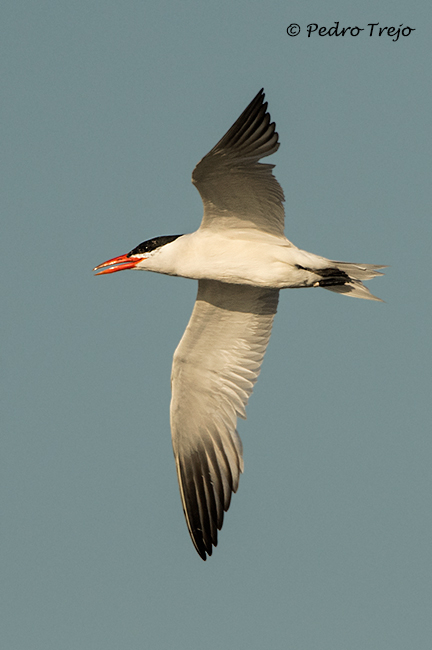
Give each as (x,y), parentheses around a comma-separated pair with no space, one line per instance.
(346,278)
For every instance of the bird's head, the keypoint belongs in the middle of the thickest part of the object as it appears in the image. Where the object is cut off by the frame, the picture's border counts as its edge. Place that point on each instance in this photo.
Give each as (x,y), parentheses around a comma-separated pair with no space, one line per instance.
(137,255)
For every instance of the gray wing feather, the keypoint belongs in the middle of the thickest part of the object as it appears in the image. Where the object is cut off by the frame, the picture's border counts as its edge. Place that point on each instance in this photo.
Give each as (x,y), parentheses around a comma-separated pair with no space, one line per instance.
(237,191)
(215,367)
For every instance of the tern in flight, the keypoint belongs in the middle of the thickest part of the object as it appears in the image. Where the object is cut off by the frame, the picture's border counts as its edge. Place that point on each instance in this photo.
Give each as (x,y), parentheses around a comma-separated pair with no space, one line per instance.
(241,259)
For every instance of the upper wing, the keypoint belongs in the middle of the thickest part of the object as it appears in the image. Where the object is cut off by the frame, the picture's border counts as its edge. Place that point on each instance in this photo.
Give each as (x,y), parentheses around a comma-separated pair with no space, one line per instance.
(214,370)
(237,191)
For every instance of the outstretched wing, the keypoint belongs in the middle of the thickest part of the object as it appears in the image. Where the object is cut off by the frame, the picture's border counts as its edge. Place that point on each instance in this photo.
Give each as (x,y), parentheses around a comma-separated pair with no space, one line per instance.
(237,191)
(215,367)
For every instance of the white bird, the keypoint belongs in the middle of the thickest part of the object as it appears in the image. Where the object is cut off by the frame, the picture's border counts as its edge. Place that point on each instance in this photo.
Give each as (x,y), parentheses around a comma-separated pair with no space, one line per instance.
(241,259)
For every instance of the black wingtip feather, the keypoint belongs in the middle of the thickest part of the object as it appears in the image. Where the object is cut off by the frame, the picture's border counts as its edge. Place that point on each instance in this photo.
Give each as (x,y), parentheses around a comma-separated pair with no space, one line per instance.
(242,140)
(205,495)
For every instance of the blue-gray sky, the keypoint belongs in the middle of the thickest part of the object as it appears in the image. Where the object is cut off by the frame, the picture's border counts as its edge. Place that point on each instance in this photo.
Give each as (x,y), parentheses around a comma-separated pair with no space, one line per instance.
(106,108)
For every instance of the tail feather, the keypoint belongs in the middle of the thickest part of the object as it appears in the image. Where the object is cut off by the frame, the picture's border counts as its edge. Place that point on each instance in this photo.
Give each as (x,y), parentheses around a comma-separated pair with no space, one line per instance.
(354,289)
(359,271)
(356,273)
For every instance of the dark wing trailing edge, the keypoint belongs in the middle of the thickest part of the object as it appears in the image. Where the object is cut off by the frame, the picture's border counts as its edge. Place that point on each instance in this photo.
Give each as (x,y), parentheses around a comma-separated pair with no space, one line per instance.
(252,136)
(238,191)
